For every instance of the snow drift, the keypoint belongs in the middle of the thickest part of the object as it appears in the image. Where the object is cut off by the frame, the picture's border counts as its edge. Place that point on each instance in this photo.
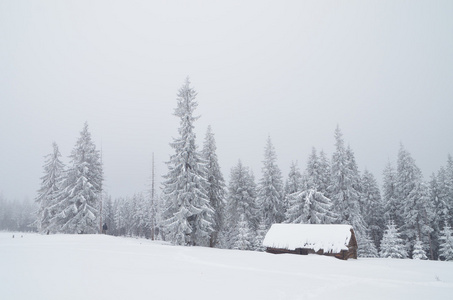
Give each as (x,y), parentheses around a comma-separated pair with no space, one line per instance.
(105,267)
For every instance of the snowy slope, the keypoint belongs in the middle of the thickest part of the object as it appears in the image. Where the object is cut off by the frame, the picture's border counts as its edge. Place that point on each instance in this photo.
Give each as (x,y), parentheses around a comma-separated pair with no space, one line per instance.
(105,267)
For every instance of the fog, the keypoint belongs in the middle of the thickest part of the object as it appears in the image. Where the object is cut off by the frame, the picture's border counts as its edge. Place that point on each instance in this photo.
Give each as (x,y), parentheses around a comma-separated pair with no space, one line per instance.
(291,70)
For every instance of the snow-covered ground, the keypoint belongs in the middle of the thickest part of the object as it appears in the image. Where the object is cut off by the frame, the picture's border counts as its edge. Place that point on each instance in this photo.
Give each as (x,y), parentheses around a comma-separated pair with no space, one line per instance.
(105,267)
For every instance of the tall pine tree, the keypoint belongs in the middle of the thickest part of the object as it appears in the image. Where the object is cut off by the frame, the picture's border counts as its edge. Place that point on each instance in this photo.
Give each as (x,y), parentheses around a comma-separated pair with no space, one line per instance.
(439,193)
(344,188)
(416,206)
(372,208)
(50,188)
(408,176)
(241,203)
(80,197)
(190,216)
(270,190)
(216,185)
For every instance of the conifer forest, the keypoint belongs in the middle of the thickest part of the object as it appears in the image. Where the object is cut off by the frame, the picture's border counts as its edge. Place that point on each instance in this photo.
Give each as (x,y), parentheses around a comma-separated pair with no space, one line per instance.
(199,204)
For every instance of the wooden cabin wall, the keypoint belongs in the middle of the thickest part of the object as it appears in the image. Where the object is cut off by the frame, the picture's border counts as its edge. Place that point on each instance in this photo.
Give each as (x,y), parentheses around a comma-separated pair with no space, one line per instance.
(344,254)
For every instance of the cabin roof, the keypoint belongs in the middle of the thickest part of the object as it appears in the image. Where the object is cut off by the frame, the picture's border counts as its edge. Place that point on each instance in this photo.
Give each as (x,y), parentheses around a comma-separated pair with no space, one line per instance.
(329,237)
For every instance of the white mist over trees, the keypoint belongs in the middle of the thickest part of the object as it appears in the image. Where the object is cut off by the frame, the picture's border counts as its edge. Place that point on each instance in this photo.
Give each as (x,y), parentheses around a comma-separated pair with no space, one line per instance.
(17,215)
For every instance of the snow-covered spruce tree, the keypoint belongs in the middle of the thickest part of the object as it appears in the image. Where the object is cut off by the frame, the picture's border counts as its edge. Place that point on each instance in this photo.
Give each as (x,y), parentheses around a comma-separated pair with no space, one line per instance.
(344,188)
(416,207)
(309,207)
(407,177)
(449,188)
(190,217)
(216,185)
(243,235)
(419,216)
(435,195)
(442,194)
(50,188)
(241,202)
(79,199)
(446,243)
(418,252)
(391,204)
(270,188)
(366,247)
(372,207)
(439,194)
(392,246)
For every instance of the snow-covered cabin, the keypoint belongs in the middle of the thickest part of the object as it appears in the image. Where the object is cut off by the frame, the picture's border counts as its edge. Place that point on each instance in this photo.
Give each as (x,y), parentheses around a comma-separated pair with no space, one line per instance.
(325,239)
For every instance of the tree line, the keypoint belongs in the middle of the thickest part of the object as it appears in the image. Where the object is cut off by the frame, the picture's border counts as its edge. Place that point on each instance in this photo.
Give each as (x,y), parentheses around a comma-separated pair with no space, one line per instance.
(406,217)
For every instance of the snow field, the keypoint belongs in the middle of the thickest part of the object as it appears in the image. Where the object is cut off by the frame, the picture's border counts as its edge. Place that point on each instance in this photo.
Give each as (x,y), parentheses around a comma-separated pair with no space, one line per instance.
(105,267)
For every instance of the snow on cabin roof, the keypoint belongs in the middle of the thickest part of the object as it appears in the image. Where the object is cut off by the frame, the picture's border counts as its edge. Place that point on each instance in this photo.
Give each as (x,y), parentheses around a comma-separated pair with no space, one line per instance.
(330,238)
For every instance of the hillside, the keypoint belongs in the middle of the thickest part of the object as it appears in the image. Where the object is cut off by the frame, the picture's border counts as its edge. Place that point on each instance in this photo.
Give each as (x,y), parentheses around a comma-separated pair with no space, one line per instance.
(36,266)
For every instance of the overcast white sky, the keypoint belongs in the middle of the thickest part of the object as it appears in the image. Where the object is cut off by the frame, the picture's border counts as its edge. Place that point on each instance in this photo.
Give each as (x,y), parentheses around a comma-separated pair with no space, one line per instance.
(382,70)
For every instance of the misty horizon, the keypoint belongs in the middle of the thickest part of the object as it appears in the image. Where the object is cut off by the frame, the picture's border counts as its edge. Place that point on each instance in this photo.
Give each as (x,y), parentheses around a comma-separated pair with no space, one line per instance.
(381,71)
